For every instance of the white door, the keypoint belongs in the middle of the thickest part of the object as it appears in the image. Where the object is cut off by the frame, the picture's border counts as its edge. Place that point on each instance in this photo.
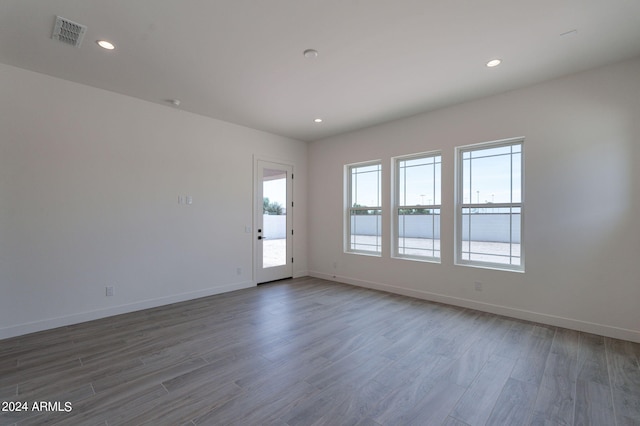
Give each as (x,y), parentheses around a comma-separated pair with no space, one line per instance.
(273,221)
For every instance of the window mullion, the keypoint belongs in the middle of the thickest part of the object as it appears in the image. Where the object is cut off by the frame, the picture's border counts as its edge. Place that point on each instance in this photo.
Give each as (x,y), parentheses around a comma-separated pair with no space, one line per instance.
(482,164)
(362,227)
(470,201)
(416,239)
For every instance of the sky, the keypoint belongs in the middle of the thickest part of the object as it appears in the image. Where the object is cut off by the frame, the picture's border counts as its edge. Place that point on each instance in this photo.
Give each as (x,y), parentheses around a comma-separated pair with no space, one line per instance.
(419,185)
(419,180)
(275,190)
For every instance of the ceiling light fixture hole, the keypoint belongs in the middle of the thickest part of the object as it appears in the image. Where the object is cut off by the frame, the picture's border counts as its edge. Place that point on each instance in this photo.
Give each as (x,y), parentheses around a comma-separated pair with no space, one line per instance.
(310,53)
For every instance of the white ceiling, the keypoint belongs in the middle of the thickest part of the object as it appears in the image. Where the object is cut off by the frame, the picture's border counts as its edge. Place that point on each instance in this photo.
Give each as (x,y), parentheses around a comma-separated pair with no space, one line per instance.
(241,60)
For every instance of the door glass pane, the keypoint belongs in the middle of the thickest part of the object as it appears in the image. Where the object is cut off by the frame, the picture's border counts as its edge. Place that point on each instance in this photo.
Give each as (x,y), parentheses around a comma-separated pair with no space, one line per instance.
(274,214)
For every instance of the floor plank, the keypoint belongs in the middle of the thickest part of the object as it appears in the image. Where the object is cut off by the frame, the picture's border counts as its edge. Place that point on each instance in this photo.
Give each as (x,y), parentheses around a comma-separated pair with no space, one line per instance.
(476,405)
(312,352)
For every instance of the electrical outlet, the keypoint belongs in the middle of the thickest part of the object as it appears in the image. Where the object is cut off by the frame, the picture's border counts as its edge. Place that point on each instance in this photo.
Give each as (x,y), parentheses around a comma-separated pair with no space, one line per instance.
(478,286)
(238,271)
(108,290)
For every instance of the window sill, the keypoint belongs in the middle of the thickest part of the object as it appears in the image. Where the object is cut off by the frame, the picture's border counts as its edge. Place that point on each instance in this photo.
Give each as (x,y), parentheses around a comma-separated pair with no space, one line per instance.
(419,259)
(364,253)
(491,266)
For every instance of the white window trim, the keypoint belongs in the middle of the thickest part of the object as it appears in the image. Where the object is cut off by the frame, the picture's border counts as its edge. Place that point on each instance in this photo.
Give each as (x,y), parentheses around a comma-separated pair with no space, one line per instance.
(459,204)
(396,206)
(348,208)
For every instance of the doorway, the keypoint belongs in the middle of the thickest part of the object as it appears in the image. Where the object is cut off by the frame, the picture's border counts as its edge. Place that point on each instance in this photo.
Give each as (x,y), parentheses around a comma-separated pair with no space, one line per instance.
(273,221)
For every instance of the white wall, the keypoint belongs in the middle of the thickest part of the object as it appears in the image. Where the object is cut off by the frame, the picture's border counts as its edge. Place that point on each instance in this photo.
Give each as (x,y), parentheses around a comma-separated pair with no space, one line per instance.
(89,186)
(582,195)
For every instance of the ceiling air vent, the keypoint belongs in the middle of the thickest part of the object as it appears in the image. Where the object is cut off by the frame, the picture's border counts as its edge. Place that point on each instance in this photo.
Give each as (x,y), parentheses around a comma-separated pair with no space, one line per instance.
(68,32)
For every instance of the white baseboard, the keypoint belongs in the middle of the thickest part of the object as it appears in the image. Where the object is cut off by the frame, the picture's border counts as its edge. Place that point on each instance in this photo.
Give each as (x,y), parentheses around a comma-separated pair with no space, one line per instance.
(299,274)
(50,323)
(585,326)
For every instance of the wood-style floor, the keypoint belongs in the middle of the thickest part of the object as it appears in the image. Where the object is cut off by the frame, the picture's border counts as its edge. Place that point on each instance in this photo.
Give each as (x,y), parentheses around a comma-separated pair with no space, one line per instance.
(312,352)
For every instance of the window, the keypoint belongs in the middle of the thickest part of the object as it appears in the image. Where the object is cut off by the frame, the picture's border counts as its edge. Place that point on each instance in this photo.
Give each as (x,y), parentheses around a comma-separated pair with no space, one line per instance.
(364,212)
(489,206)
(417,207)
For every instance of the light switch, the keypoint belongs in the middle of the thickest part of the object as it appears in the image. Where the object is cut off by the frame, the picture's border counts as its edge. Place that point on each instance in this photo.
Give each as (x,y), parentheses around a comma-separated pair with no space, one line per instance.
(189,199)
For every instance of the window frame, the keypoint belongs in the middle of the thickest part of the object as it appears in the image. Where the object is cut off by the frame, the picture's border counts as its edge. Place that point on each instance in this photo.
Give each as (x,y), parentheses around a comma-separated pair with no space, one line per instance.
(348,202)
(397,192)
(460,205)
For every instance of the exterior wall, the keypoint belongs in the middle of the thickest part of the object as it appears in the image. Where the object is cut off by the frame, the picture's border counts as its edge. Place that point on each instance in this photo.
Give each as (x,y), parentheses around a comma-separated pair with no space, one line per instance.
(275,226)
(489,227)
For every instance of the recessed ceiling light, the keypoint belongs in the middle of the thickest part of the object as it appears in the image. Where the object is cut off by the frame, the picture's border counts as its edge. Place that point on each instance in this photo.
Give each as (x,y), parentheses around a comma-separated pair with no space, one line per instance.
(494,63)
(310,53)
(106,44)
(317,120)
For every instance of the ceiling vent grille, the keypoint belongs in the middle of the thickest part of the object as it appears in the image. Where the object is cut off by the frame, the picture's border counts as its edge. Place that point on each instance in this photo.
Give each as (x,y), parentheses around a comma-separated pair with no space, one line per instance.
(68,32)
